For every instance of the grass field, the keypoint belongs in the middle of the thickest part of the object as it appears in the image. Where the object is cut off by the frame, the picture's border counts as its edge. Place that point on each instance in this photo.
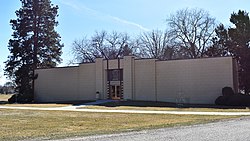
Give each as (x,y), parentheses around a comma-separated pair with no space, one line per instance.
(31,124)
(5,97)
(28,124)
(49,105)
(4,102)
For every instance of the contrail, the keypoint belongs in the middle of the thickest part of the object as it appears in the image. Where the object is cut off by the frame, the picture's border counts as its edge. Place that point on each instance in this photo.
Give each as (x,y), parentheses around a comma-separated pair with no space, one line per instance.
(82,8)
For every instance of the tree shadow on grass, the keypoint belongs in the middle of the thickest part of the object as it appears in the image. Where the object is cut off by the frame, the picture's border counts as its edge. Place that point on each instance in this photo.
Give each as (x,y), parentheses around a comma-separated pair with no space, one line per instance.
(3,102)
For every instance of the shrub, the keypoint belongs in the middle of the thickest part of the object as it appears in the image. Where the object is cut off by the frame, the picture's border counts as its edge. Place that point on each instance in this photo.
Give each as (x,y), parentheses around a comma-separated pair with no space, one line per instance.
(229,98)
(20,98)
(227,91)
(222,100)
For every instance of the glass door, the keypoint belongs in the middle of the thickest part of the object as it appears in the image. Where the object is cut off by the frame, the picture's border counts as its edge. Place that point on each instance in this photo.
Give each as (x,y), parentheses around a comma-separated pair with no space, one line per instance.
(115,92)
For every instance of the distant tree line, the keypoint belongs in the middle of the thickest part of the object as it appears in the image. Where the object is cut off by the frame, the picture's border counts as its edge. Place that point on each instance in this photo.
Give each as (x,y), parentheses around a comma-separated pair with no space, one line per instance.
(7,88)
(190,33)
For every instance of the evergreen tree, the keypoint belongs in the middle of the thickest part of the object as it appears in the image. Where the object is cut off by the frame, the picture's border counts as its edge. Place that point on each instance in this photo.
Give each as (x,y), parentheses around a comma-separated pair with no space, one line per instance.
(240,35)
(235,41)
(35,44)
(222,43)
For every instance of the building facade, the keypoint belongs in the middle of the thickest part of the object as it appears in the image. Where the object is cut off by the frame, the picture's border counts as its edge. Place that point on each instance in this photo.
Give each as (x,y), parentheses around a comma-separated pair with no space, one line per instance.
(197,81)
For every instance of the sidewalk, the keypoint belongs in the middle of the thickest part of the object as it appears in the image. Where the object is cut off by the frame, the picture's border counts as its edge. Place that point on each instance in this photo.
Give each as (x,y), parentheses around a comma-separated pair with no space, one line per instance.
(73,108)
(88,104)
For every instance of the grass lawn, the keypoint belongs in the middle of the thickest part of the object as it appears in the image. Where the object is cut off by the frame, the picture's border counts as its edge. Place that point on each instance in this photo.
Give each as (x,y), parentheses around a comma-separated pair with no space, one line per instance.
(5,97)
(49,105)
(28,124)
(4,102)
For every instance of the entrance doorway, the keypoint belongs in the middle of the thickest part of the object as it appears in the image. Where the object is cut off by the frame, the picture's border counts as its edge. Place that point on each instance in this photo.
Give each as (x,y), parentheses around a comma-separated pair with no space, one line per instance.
(115,92)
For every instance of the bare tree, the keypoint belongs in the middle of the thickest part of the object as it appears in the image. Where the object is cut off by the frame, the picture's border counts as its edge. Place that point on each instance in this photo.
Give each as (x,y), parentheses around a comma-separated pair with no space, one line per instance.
(192,30)
(101,44)
(115,44)
(82,50)
(156,44)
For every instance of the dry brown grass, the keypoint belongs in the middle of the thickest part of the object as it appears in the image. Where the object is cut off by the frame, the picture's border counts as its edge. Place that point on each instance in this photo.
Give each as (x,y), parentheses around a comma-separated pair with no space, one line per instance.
(4,100)
(28,124)
(43,105)
(5,97)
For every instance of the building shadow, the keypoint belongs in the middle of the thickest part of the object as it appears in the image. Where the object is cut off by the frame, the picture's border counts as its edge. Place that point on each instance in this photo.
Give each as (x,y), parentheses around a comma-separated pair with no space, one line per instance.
(166,105)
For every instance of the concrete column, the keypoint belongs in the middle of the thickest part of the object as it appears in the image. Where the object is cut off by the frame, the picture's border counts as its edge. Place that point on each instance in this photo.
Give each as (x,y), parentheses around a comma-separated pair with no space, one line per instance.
(99,73)
(128,77)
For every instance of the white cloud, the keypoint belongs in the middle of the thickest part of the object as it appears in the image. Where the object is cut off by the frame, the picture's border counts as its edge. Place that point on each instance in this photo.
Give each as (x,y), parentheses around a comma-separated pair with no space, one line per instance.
(82,8)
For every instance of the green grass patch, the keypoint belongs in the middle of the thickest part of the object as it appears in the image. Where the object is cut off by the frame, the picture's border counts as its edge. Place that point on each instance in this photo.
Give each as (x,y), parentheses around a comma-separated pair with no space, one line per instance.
(31,124)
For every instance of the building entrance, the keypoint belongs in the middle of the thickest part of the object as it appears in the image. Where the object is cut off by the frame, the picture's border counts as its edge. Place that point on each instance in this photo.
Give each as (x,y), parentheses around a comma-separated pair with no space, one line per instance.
(115,92)
(115,84)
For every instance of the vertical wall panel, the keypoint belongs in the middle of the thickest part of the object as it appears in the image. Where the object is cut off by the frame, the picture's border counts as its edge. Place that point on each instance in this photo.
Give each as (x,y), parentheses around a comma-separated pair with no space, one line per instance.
(56,84)
(194,80)
(145,80)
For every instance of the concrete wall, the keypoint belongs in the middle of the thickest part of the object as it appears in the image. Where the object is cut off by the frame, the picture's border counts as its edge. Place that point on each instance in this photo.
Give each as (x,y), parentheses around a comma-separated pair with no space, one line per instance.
(66,84)
(194,80)
(145,80)
(87,82)
(58,84)
(191,81)
(99,78)
(128,77)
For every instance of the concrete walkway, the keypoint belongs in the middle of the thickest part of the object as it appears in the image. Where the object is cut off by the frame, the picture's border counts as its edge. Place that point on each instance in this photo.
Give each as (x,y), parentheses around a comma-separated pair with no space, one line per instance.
(131,111)
(100,102)
(88,104)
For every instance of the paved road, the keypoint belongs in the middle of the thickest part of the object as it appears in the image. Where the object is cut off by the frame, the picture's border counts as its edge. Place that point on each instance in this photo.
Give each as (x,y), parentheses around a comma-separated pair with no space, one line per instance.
(231,130)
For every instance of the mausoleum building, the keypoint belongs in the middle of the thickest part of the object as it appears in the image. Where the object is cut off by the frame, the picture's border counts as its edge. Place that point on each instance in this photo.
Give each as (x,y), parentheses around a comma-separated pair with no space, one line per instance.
(197,81)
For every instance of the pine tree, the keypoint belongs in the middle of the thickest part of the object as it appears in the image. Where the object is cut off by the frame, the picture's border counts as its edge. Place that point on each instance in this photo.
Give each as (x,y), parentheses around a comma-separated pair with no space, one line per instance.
(235,41)
(240,35)
(35,44)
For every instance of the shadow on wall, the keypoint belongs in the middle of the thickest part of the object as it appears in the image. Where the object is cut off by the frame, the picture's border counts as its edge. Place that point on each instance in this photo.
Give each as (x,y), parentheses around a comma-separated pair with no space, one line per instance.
(229,98)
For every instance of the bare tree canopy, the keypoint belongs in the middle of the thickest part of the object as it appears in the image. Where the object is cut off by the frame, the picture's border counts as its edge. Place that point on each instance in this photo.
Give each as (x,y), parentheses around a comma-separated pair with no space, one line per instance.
(189,35)
(101,44)
(156,44)
(192,30)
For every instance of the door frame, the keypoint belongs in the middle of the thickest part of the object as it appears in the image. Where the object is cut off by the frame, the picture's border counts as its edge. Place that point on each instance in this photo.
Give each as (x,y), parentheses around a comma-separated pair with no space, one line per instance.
(115,91)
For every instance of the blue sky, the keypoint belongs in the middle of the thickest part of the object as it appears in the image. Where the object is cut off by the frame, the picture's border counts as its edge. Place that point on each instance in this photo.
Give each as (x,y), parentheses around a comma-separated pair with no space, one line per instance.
(79,18)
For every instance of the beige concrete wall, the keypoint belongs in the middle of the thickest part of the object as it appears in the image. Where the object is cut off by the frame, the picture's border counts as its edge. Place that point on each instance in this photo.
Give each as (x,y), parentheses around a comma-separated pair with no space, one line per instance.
(128,77)
(145,80)
(87,81)
(57,84)
(113,64)
(194,80)
(66,84)
(99,75)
